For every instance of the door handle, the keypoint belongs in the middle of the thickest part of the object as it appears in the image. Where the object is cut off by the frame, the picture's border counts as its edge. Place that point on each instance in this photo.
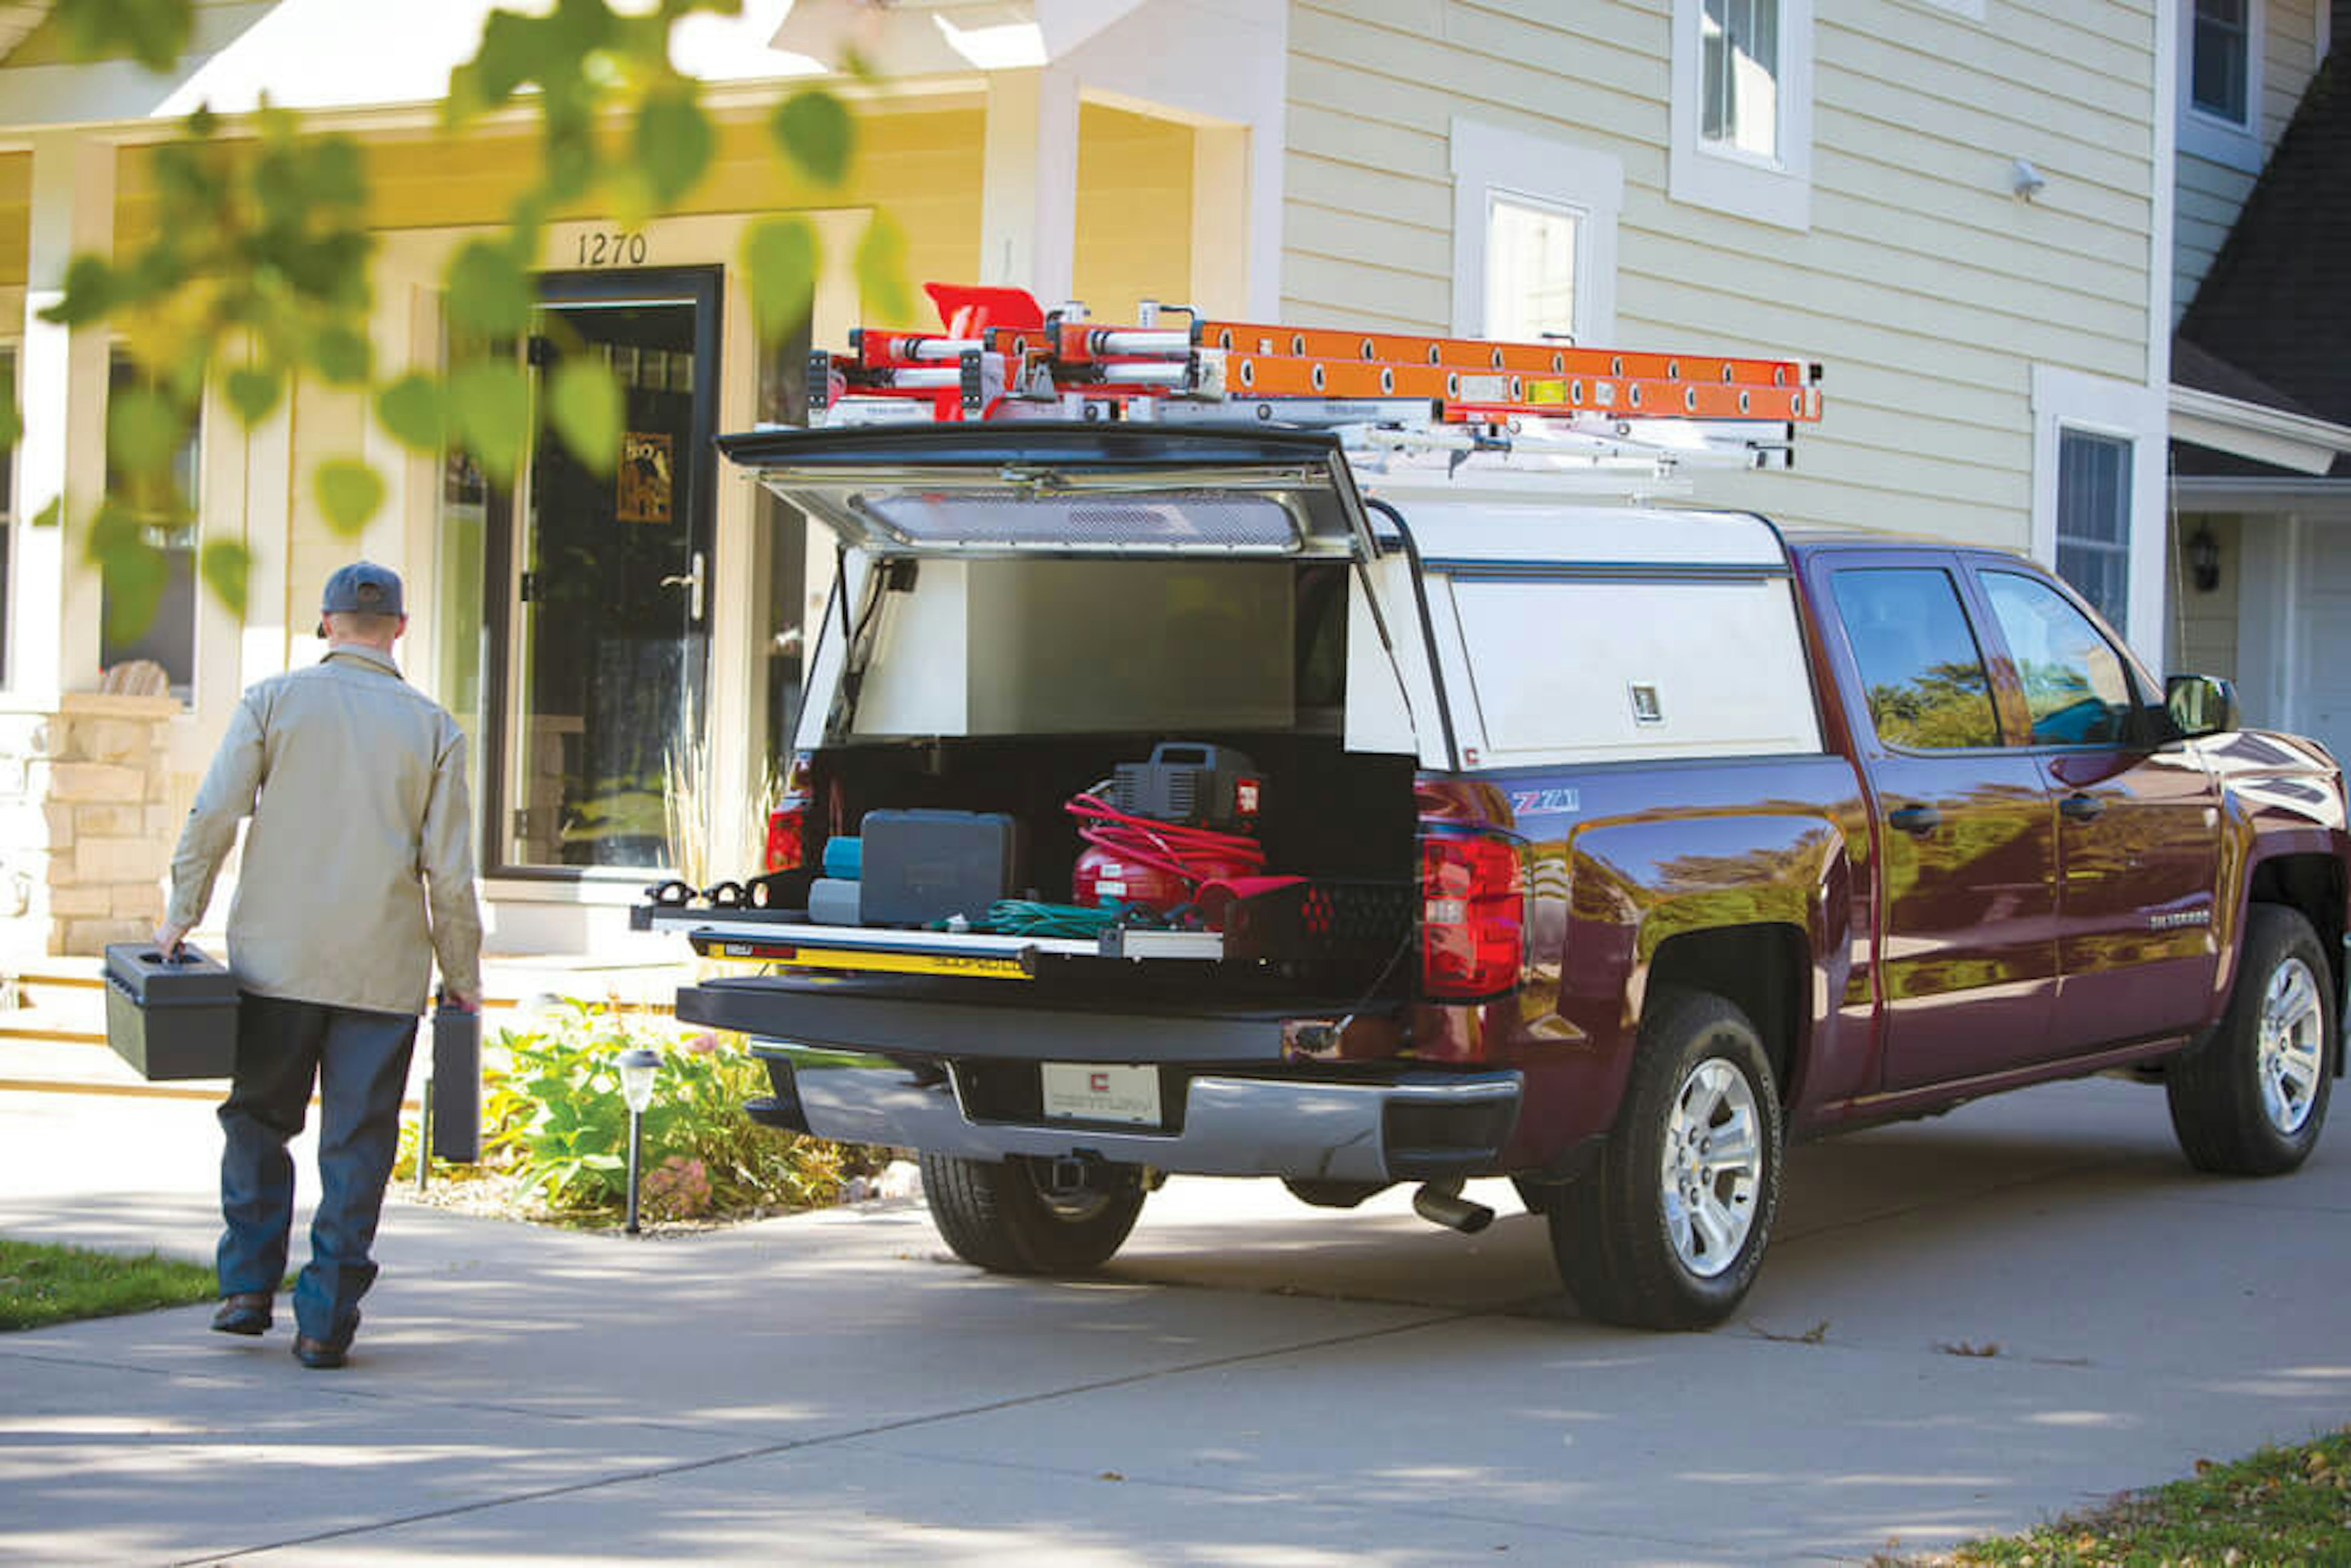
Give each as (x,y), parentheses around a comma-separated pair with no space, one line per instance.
(1918,820)
(692,581)
(2080,808)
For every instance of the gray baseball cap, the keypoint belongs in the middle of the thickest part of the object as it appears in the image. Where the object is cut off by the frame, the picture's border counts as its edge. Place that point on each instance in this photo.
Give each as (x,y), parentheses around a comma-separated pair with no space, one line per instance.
(362,588)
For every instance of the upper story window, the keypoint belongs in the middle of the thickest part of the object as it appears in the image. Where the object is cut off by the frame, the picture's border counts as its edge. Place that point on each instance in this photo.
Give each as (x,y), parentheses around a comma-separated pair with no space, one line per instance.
(1742,109)
(1920,667)
(2220,59)
(1534,236)
(2220,47)
(2075,687)
(1739,73)
(2094,517)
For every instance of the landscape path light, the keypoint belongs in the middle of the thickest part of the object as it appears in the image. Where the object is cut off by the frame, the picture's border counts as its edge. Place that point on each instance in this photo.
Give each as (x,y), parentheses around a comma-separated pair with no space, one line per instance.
(637,1069)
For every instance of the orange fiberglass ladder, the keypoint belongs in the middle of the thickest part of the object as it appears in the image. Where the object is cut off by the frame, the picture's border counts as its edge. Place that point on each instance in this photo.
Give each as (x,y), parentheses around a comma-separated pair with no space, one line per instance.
(1001,357)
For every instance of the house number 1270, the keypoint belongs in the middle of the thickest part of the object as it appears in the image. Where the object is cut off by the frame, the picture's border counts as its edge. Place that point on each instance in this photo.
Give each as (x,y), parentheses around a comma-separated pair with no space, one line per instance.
(611,250)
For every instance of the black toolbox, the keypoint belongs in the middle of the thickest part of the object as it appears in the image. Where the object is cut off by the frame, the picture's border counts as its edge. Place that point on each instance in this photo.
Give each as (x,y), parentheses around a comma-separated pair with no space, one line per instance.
(171,1018)
(924,866)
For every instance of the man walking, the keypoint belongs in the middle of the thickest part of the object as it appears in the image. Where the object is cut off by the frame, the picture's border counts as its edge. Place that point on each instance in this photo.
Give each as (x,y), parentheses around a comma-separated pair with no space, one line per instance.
(356,785)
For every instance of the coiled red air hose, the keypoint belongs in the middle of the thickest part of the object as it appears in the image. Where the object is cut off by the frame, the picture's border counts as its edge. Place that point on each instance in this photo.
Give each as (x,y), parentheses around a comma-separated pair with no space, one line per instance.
(1193,853)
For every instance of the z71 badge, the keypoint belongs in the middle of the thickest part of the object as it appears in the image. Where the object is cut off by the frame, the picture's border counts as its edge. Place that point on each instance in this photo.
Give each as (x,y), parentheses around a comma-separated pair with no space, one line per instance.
(1535,802)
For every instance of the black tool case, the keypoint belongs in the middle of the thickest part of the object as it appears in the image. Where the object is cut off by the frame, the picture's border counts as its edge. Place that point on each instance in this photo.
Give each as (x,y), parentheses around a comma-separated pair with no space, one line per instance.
(921,866)
(171,1018)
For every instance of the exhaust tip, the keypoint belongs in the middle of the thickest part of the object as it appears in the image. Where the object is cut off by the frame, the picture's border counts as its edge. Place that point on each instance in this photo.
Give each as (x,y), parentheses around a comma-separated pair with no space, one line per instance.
(1441,1202)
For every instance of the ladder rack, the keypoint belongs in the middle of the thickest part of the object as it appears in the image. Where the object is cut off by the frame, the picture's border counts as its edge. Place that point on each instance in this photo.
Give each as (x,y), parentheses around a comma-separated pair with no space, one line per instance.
(1402,398)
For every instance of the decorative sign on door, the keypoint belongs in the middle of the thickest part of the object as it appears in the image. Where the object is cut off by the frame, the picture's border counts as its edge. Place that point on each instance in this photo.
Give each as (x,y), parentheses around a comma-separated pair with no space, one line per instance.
(645,477)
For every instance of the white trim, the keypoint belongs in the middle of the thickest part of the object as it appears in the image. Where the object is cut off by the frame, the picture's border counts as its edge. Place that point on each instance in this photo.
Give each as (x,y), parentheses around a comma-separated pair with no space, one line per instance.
(1777,191)
(2202,134)
(2068,400)
(2163,181)
(1488,161)
(2252,430)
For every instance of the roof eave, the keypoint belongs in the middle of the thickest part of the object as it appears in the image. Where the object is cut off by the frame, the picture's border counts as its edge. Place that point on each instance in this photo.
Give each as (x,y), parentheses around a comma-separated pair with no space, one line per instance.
(2256,432)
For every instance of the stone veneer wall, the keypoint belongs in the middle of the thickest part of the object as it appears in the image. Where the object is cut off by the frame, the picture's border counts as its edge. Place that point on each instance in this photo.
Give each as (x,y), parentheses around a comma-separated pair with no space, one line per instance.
(85,833)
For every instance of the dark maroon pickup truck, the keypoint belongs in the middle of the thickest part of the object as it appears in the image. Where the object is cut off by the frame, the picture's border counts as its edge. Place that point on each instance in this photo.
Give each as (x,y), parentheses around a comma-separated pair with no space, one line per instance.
(1195,800)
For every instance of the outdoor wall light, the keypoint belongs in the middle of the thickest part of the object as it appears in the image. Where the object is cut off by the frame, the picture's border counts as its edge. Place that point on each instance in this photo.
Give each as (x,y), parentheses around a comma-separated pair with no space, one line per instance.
(2204,559)
(2025,181)
(638,1068)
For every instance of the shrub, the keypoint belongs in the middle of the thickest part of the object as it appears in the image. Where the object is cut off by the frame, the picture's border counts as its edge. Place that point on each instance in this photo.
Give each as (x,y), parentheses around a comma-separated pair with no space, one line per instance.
(553,1120)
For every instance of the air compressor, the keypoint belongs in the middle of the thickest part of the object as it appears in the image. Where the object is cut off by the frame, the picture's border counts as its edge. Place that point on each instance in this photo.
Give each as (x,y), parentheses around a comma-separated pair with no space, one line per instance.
(1156,831)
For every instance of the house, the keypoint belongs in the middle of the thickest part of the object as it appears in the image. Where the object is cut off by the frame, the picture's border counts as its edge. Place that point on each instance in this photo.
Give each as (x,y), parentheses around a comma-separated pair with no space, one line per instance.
(1966,209)
(2260,500)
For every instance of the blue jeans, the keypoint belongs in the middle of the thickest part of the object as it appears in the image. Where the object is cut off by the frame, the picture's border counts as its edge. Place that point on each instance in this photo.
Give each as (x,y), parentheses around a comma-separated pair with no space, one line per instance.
(359,1062)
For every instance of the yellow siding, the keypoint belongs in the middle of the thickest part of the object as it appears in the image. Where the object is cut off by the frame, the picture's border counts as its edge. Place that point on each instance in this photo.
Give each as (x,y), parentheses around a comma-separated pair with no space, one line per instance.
(1135,211)
(923,167)
(1927,289)
(16,215)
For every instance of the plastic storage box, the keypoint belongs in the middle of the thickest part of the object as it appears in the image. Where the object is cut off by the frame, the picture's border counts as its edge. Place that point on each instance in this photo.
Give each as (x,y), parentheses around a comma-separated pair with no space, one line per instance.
(924,866)
(170,1017)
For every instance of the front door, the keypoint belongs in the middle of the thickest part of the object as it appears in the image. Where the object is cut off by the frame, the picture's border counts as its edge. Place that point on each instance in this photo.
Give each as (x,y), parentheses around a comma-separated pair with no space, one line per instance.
(600,609)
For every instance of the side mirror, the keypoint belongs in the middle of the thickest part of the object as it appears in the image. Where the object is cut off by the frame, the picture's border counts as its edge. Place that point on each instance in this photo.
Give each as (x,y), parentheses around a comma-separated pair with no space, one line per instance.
(2201,705)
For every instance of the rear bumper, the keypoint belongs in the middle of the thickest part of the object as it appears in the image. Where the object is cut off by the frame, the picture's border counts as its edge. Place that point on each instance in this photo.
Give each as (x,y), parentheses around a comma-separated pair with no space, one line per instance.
(1417,1126)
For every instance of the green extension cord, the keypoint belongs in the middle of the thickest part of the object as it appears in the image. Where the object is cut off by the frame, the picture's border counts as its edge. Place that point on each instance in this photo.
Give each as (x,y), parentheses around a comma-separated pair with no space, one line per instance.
(1025,917)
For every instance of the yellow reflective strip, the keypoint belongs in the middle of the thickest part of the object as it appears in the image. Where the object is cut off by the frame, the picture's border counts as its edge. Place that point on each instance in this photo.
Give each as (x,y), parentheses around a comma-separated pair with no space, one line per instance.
(964,965)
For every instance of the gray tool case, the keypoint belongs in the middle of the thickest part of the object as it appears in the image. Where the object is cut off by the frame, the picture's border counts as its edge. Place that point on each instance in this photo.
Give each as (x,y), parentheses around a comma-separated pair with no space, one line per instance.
(171,1018)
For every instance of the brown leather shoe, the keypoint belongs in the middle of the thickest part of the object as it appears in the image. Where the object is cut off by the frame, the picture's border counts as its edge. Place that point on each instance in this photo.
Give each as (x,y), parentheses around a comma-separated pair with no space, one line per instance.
(245,1313)
(319,1355)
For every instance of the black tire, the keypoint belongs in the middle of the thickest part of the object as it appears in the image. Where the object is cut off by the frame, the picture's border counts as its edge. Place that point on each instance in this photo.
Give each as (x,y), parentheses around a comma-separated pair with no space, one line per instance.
(2249,1098)
(1613,1229)
(999,1215)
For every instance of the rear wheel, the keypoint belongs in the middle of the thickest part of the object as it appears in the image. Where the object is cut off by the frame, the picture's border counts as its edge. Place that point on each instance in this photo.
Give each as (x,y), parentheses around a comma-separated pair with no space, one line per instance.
(2250,1097)
(1667,1229)
(1008,1217)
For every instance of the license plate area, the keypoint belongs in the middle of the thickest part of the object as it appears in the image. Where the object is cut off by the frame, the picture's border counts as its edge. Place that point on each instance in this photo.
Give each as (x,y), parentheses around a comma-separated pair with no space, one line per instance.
(1100,1092)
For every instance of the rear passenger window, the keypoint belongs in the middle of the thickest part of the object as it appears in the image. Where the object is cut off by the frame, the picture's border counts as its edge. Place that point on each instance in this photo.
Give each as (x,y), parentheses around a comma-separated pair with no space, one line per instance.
(2075,684)
(1919,665)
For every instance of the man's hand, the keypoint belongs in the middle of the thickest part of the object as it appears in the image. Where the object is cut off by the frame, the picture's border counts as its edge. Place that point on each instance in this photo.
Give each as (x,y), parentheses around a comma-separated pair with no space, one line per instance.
(168,938)
(463,1000)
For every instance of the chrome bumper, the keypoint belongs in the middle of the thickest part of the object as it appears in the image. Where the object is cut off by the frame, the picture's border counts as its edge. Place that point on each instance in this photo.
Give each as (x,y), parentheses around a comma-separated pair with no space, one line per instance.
(1417,1126)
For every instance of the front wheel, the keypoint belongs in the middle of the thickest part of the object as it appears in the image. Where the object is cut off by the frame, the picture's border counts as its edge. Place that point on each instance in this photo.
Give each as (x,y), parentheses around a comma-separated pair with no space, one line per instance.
(1667,1229)
(1008,1217)
(2249,1098)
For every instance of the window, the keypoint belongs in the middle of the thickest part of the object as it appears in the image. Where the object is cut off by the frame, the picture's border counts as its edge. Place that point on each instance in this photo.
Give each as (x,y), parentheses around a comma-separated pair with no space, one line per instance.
(2220,49)
(1738,76)
(2093,509)
(1534,236)
(2220,59)
(1918,660)
(1742,112)
(1530,269)
(150,600)
(2075,687)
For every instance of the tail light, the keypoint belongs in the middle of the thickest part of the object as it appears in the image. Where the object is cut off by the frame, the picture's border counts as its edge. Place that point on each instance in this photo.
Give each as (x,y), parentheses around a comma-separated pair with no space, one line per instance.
(1471,937)
(787,823)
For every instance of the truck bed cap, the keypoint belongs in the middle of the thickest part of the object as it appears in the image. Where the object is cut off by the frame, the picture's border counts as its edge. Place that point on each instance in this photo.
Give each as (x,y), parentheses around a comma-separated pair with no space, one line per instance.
(1449,531)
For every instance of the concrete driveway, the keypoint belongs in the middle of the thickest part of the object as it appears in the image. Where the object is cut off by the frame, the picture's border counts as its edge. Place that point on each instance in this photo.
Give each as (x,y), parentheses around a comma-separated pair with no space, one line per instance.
(1965,1325)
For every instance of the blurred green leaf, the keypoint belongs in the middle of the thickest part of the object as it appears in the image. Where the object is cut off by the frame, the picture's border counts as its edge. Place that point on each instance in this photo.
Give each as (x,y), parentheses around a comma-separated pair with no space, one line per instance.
(12,420)
(489,412)
(674,141)
(225,565)
(89,293)
(342,354)
(133,571)
(51,515)
(252,391)
(416,411)
(780,257)
(815,131)
(583,403)
(882,270)
(349,493)
(152,32)
(489,292)
(142,429)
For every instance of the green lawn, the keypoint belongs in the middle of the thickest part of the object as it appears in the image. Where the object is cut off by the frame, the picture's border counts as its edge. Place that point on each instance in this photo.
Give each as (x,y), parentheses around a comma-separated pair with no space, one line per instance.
(2288,1505)
(42,1284)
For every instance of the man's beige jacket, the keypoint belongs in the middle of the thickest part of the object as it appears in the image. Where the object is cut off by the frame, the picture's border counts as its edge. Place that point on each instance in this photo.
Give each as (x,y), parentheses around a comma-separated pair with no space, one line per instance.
(356,784)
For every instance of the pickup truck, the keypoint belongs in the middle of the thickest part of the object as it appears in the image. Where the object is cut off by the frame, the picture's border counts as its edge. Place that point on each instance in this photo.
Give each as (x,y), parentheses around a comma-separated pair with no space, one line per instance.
(1609,848)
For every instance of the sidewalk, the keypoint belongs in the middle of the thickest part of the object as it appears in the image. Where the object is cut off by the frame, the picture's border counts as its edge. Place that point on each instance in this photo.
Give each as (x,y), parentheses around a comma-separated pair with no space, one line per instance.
(1253,1381)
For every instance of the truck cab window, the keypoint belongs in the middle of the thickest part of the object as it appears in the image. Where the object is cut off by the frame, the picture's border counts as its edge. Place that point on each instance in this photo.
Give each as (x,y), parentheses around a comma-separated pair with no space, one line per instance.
(1920,663)
(2074,683)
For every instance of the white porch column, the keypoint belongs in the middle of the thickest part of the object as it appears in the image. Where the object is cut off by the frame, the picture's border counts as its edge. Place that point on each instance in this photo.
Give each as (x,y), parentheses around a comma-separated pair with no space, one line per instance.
(1029,183)
(54,615)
